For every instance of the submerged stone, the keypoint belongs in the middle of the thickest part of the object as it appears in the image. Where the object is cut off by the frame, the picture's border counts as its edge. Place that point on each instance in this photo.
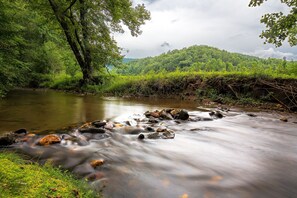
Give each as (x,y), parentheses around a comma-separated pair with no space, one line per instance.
(165,115)
(251,115)
(98,124)
(21,131)
(67,137)
(92,130)
(154,135)
(129,130)
(150,129)
(168,134)
(131,123)
(206,119)
(216,114)
(95,176)
(153,120)
(284,119)
(86,125)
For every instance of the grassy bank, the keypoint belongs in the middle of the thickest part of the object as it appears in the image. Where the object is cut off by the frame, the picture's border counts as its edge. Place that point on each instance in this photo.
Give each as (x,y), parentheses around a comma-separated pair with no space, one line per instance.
(222,87)
(21,178)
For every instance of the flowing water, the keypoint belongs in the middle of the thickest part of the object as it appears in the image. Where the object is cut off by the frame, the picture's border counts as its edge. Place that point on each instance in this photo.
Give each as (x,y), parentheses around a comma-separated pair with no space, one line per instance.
(236,156)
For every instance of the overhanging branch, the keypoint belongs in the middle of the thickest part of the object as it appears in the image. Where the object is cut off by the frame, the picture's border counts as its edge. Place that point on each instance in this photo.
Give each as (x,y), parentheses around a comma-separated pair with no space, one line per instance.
(70,6)
(75,32)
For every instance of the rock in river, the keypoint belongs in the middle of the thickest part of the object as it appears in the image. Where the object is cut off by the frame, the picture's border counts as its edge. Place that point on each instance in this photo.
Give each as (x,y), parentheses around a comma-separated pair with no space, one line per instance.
(21,131)
(141,136)
(168,114)
(99,123)
(284,119)
(49,139)
(216,114)
(180,114)
(251,115)
(165,115)
(155,114)
(8,139)
(154,135)
(91,130)
(95,176)
(129,130)
(95,163)
(183,115)
(169,134)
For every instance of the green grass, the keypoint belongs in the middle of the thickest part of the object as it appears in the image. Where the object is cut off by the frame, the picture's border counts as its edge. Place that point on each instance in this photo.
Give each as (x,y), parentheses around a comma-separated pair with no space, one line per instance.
(120,81)
(116,83)
(237,87)
(21,178)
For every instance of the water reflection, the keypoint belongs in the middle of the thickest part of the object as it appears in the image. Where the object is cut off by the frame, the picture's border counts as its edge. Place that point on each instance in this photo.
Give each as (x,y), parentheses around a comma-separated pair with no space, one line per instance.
(47,109)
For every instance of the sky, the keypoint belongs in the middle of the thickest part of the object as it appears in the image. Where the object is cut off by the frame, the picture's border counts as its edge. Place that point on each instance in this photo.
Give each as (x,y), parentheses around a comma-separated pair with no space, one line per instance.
(225,24)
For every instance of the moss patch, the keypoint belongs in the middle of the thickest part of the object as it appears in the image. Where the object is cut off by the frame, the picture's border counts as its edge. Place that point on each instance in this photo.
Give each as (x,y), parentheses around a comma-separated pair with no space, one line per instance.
(21,178)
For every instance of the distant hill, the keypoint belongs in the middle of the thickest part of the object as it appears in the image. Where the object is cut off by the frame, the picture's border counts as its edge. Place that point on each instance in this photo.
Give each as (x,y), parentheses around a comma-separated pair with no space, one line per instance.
(198,58)
(127,60)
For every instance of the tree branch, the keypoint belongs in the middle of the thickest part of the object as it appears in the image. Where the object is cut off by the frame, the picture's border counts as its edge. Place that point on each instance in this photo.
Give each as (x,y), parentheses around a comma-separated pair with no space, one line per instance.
(67,32)
(75,32)
(70,6)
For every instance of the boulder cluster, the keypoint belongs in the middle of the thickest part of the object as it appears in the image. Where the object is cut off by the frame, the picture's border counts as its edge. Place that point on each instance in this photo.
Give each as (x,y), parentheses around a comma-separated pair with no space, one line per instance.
(168,114)
(151,125)
(146,128)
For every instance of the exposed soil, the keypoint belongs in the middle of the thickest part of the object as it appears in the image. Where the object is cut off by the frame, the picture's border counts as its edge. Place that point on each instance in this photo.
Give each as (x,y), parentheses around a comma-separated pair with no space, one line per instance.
(278,94)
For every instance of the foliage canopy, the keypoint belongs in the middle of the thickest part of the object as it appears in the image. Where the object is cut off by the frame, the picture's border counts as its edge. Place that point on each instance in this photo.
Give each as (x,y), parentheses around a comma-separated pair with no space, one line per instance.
(88,26)
(279,26)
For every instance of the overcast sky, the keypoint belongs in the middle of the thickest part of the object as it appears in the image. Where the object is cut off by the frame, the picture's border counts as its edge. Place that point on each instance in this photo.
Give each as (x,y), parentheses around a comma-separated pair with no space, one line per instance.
(225,24)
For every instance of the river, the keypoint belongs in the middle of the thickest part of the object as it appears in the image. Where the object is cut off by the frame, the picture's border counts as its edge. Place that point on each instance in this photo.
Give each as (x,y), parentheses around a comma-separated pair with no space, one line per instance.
(236,156)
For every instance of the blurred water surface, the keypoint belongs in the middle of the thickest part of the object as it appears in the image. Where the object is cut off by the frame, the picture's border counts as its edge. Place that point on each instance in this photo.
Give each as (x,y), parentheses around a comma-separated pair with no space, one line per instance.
(237,156)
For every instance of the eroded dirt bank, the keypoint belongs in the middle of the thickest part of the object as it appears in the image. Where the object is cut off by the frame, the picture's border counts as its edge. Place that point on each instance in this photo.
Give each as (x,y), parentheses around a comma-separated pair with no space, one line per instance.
(257,91)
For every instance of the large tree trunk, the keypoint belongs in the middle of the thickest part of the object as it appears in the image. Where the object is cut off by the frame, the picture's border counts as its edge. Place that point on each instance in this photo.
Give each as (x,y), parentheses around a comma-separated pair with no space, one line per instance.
(79,45)
(87,71)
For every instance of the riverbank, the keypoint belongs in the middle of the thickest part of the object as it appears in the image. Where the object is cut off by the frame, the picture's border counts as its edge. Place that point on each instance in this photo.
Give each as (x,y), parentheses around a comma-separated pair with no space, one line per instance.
(23,178)
(244,89)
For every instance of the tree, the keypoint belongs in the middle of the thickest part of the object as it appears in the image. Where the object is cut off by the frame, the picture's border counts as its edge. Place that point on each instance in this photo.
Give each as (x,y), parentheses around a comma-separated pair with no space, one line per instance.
(88,26)
(279,26)
(12,68)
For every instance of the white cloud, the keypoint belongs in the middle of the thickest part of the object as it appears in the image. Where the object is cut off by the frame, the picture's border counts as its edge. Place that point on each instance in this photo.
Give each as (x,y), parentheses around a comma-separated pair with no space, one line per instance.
(226,24)
(271,52)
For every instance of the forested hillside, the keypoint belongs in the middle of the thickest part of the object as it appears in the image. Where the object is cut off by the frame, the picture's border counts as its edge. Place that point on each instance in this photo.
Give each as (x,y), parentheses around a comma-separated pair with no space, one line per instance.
(205,58)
